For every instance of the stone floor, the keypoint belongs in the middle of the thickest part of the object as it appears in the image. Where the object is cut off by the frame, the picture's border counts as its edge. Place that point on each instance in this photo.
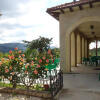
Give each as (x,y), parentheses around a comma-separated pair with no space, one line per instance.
(82,84)
(84,69)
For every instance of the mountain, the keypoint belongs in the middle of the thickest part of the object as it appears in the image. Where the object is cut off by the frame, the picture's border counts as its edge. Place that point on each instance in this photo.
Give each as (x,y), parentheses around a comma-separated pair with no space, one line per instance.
(10,46)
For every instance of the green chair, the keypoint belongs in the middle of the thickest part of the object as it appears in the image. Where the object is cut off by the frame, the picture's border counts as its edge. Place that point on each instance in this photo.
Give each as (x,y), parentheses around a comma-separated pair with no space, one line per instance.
(84,60)
(51,66)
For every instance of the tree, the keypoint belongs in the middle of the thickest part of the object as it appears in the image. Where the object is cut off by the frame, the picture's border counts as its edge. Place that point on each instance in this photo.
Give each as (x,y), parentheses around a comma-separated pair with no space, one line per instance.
(40,44)
(56,52)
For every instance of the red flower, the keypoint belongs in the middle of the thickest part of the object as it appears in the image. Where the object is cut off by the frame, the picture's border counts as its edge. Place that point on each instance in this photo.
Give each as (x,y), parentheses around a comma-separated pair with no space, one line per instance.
(23,55)
(43,58)
(46,69)
(51,55)
(19,51)
(47,60)
(49,51)
(0,63)
(26,72)
(40,61)
(2,59)
(13,73)
(10,67)
(16,48)
(26,66)
(38,66)
(9,56)
(6,70)
(36,58)
(53,61)
(35,71)
(32,63)
(22,59)
(19,56)
(12,57)
(20,64)
(10,51)
(46,86)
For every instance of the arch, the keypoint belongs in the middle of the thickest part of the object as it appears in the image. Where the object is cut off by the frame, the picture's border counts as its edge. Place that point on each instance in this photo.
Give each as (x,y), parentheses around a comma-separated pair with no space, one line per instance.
(70,29)
(82,20)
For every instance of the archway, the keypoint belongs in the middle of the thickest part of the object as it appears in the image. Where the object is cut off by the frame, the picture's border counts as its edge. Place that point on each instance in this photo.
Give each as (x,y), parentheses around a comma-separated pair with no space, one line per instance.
(82,33)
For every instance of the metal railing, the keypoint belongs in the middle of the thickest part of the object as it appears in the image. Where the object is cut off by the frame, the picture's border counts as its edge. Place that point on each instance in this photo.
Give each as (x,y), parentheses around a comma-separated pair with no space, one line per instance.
(53,82)
(56,82)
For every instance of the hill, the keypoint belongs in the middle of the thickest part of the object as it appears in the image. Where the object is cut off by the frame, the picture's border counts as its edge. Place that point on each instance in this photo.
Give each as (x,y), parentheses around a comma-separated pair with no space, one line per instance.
(10,46)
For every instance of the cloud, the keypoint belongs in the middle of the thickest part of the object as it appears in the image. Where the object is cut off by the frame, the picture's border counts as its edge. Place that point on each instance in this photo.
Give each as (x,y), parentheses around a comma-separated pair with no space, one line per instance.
(11,8)
(27,20)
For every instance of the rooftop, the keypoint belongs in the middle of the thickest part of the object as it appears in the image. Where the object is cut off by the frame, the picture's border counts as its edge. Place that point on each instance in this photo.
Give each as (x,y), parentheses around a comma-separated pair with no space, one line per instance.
(55,11)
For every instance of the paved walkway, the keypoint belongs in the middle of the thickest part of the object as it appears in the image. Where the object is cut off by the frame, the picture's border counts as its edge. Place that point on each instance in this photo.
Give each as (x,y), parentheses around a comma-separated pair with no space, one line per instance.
(84,85)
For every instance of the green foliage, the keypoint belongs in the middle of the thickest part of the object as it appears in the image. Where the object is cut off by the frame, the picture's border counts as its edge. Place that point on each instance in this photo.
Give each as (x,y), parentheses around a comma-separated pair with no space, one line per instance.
(17,69)
(56,52)
(40,44)
(1,54)
(5,55)
(30,53)
(5,84)
(92,52)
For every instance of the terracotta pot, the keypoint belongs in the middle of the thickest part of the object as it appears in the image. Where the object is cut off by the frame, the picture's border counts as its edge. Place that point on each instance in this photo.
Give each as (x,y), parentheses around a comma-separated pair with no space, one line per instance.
(46,86)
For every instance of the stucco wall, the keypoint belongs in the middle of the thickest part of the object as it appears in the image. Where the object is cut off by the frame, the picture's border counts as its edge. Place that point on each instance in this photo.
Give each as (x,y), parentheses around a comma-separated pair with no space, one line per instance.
(68,22)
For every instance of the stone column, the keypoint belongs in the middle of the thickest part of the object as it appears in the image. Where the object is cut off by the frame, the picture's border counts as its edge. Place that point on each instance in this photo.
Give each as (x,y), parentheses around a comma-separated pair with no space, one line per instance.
(78,49)
(75,49)
(73,63)
(68,53)
(83,49)
(86,48)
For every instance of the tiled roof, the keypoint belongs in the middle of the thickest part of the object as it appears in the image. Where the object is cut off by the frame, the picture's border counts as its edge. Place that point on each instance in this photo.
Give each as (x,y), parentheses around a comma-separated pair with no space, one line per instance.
(68,5)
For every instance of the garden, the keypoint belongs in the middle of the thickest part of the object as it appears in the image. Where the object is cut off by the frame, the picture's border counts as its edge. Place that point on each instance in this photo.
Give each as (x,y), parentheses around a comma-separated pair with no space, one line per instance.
(35,72)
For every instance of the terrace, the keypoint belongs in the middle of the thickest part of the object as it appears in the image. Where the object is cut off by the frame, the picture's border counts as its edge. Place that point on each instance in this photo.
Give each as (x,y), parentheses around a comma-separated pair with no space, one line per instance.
(79,25)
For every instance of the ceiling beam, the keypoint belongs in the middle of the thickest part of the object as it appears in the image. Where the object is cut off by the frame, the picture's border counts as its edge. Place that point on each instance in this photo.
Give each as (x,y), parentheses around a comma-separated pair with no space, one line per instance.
(71,9)
(80,7)
(81,33)
(56,14)
(94,38)
(91,5)
(62,11)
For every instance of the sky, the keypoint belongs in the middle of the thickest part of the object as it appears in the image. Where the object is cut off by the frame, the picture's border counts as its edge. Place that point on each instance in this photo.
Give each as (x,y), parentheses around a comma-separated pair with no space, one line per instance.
(27,20)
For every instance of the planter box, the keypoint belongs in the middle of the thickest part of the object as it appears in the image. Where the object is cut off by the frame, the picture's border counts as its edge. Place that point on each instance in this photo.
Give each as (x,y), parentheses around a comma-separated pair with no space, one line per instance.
(41,94)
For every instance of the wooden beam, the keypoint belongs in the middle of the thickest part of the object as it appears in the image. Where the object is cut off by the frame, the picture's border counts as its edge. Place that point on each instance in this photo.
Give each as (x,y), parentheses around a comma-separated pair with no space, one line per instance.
(90,3)
(71,9)
(56,15)
(93,38)
(62,11)
(80,7)
(81,34)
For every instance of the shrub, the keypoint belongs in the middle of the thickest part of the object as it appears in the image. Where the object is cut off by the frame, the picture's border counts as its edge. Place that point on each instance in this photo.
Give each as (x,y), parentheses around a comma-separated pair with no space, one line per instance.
(17,69)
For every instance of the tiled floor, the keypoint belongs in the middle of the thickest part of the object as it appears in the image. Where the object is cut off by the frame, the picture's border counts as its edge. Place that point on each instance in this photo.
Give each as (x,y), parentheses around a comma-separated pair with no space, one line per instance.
(82,84)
